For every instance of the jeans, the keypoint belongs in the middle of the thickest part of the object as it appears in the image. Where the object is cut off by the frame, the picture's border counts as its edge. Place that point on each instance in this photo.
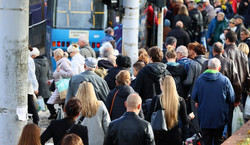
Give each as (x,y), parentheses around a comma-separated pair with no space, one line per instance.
(212,136)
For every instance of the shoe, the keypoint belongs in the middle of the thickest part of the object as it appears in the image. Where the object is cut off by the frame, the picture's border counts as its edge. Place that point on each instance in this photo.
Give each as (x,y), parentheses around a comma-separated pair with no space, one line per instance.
(52,117)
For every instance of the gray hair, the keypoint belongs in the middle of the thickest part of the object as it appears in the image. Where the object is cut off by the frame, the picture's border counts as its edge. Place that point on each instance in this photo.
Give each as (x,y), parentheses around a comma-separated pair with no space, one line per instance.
(84,38)
(183,50)
(106,50)
(214,63)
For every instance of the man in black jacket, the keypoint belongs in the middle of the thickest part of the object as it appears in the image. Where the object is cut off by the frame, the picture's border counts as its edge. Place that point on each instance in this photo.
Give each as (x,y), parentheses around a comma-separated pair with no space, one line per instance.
(239,24)
(245,37)
(180,34)
(197,22)
(130,128)
(147,83)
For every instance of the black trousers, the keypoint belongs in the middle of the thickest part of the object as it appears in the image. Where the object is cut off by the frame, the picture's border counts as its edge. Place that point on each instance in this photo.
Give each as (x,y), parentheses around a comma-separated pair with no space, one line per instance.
(51,108)
(32,109)
(209,135)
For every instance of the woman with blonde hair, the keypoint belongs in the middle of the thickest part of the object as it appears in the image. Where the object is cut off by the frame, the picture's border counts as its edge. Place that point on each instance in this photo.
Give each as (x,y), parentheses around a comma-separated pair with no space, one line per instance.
(62,71)
(183,16)
(174,107)
(244,48)
(95,113)
(30,135)
(77,61)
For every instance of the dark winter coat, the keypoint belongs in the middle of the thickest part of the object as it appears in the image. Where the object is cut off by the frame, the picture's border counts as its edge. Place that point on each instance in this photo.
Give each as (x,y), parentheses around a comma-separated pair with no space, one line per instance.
(219,28)
(229,12)
(129,129)
(186,20)
(197,22)
(110,77)
(118,107)
(213,92)
(205,19)
(105,64)
(42,76)
(179,74)
(181,35)
(147,82)
(238,30)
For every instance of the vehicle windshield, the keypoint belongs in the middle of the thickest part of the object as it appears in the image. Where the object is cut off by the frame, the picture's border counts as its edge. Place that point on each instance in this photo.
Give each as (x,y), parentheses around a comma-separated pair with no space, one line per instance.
(80,14)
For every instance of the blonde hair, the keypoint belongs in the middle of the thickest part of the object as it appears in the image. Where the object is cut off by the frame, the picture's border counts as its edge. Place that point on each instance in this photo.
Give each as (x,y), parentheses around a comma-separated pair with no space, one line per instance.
(170,101)
(244,48)
(123,77)
(143,56)
(72,139)
(30,135)
(86,94)
(73,48)
(183,10)
(58,52)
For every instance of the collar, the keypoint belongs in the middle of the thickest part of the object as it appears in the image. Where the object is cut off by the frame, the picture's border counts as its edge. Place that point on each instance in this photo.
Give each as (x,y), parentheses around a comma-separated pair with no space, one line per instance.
(130,114)
(211,71)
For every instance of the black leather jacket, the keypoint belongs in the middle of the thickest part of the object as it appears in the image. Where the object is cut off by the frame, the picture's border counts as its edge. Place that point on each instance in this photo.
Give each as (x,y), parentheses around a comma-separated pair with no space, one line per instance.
(130,129)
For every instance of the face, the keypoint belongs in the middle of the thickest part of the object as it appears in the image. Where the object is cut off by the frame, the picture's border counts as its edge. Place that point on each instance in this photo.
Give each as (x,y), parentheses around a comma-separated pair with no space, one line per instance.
(237,21)
(225,32)
(56,57)
(80,43)
(220,17)
(135,72)
(231,25)
(191,53)
(243,36)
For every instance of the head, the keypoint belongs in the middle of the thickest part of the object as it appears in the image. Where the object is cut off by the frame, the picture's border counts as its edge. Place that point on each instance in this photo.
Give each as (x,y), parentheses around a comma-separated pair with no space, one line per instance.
(181,51)
(73,108)
(137,66)
(123,61)
(83,40)
(73,49)
(191,6)
(179,24)
(206,2)
(214,64)
(183,10)
(86,94)
(218,48)
(220,16)
(217,3)
(231,23)
(244,34)
(200,49)
(58,54)
(171,41)
(113,43)
(226,30)
(200,7)
(72,139)
(244,48)
(123,78)
(133,103)
(230,38)
(90,64)
(171,55)
(191,52)
(155,54)
(35,52)
(30,135)
(217,10)
(167,23)
(238,20)
(109,31)
(143,56)
(107,49)
(169,100)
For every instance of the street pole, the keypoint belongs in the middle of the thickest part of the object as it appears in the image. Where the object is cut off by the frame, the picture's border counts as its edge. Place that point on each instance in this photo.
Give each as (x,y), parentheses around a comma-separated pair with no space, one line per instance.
(14,16)
(130,29)
(160,30)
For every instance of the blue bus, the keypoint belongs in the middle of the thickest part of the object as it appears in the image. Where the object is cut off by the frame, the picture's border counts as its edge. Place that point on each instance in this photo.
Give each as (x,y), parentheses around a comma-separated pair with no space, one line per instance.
(67,19)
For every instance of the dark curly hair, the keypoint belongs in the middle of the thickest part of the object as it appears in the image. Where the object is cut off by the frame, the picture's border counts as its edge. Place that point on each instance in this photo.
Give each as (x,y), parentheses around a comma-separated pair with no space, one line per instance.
(123,61)
(200,49)
(155,53)
(73,107)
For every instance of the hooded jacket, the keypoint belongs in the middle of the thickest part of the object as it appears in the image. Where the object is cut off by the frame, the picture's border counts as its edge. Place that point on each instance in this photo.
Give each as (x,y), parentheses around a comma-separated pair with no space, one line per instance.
(118,107)
(65,69)
(42,75)
(147,82)
(213,92)
(110,77)
(77,63)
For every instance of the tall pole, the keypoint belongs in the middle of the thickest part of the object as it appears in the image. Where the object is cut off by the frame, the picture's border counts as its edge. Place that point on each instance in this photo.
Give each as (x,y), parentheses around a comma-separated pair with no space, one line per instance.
(130,29)
(160,30)
(14,16)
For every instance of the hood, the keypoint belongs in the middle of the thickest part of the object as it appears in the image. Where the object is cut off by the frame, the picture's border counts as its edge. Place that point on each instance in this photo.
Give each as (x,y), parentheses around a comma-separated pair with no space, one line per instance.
(41,60)
(105,64)
(62,60)
(211,76)
(156,70)
(124,91)
(175,70)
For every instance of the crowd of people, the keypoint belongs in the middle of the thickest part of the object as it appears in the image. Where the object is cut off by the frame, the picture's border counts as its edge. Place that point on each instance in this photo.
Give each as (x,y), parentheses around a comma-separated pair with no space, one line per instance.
(198,79)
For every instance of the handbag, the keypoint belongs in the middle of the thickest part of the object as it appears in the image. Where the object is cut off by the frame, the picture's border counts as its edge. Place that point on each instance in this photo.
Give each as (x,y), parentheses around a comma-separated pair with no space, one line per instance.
(62,86)
(237,121)
(158,121)
(52,86)
(41,103)
(247,108)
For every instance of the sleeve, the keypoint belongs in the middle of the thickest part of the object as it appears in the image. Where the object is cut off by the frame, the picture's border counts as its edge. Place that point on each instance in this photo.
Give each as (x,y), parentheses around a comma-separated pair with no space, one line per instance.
(69,92)
(235,82)
(105,120)
(47,134)
(85,137)
(108,140)
(190,76)
(183,113)
(109,101)
(65,71)
(149,140)
(32,74)
(74,67)
(210,30)
(195,91)
(230,95)
(104,90)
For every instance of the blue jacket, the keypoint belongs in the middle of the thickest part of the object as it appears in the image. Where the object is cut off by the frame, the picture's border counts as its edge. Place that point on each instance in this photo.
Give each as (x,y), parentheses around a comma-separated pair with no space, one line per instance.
(107,37)
(213,91)
(211,27)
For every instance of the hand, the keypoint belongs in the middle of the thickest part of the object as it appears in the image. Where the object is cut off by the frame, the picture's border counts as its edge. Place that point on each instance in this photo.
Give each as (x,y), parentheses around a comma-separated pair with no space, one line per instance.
(236,104)
(48,82)
(36,92)
(209,39)
(196,105)
(191,115)
(58,69)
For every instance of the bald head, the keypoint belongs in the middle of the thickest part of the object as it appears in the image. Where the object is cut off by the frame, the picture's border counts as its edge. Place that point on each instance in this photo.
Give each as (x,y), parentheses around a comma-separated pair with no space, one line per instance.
(133,103)
(218,48)
(179,24)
